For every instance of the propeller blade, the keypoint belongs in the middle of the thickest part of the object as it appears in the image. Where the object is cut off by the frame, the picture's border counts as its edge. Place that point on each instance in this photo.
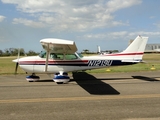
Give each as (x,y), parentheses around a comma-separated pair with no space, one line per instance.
(16,68)
(17,60)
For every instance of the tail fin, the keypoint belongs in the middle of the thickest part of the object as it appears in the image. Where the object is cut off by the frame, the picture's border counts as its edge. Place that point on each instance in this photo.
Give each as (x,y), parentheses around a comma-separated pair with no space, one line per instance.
(138,45)
(136,48)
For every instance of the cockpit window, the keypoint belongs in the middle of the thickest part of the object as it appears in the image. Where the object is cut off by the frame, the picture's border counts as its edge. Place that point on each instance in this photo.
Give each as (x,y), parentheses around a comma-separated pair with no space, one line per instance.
(56,56)
(60,56)
(70,56)
(80,55)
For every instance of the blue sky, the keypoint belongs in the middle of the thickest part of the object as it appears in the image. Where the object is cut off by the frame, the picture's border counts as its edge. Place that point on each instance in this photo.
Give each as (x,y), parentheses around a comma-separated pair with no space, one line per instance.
(107,23)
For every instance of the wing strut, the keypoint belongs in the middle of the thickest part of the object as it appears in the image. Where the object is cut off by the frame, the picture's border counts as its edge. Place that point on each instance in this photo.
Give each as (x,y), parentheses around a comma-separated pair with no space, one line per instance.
(47,56)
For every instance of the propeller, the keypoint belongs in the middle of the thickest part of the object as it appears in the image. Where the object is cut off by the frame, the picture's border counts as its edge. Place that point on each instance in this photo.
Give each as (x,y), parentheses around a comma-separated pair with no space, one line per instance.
(17,62)
(16,68)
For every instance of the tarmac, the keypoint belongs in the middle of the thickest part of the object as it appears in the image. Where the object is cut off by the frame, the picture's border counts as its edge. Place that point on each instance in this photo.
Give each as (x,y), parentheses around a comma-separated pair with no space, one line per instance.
(102,96)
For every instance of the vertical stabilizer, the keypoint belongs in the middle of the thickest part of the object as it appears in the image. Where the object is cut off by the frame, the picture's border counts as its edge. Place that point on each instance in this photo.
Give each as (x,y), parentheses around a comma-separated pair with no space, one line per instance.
(136,49)
(137,46)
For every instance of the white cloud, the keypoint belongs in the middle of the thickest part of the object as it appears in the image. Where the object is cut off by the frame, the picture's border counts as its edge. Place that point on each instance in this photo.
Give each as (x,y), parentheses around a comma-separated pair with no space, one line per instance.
(2,18)
(144,33)
(72,15)
(114,5)
(106,36)
(152,17)
(121,35)
(157,24)
(28,22)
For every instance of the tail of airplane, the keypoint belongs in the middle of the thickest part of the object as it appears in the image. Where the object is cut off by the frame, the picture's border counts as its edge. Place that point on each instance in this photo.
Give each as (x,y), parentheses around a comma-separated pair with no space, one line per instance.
(136,49)
(138,45)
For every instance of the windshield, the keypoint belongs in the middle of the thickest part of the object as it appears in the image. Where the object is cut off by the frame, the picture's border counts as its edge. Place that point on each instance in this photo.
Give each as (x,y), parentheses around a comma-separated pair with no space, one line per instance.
(42,54)
(80,55)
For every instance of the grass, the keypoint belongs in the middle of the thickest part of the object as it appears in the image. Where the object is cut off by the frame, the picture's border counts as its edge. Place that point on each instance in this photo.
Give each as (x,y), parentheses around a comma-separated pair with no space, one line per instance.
(8,67)
(130,68)
(152,57)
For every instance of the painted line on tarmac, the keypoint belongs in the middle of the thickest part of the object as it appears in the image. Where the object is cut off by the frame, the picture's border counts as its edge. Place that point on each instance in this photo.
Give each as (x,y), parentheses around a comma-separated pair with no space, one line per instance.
(91,98)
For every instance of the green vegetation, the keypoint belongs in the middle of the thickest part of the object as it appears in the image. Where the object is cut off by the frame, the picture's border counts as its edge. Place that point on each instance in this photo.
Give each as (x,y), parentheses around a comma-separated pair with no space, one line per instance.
(15,51)
(130,68)
(8,67)
(152,57)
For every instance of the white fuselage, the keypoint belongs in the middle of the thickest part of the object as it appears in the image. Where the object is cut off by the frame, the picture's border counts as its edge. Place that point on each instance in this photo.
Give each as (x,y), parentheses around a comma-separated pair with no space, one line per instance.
(36,64)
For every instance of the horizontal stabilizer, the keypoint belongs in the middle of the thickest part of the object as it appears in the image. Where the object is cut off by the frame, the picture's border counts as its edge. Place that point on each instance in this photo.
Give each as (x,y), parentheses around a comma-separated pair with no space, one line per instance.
(133,61)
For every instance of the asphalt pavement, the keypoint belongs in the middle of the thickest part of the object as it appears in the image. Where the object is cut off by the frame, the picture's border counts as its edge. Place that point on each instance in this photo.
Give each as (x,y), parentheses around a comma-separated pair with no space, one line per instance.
(102,96)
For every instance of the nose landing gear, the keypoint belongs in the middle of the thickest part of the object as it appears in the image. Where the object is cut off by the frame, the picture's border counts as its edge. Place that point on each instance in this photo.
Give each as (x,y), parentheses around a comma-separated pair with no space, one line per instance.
(32,78)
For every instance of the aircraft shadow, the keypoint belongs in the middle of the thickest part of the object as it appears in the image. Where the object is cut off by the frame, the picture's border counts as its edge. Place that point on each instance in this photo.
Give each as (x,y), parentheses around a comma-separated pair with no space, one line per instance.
(105,79)
(93,85)
(145,78)
(45,80)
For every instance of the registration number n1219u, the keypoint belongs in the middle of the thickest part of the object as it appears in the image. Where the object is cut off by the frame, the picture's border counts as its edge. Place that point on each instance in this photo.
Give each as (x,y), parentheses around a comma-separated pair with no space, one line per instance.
(99,62)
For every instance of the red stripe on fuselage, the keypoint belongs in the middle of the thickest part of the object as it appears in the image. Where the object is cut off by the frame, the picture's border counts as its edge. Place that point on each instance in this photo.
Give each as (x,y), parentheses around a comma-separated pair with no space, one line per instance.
(54,62)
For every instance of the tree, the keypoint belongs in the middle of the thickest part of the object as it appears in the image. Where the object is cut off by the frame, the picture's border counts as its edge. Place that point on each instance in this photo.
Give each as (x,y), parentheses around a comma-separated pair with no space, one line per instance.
(22,52)
(85,51)
(31,52)
(1,53)
(15,51)
(11,51)
(6,52)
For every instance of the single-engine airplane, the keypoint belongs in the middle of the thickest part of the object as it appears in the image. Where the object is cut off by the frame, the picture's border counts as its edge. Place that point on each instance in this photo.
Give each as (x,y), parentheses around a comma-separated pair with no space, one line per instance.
(60,57)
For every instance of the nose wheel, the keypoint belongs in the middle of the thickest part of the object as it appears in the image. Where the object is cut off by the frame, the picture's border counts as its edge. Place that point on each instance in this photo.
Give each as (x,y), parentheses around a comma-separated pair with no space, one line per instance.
(32,78)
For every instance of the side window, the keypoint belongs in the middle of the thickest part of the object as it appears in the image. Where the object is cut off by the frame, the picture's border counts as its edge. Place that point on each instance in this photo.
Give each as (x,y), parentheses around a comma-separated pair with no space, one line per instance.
(56,56)
(53,55)
(60,56)
(70,56)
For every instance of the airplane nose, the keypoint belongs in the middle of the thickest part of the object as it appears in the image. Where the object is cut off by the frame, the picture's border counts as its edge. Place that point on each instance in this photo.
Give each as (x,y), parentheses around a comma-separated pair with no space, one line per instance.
(15,60)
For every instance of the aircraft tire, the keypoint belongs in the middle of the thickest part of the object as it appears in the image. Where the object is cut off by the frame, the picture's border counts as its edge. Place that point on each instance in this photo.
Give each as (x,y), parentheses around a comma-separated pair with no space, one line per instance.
(59,82)
(32,78)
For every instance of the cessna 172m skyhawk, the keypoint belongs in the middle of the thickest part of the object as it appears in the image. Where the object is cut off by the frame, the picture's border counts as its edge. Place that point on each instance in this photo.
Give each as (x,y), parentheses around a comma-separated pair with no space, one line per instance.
(60,57)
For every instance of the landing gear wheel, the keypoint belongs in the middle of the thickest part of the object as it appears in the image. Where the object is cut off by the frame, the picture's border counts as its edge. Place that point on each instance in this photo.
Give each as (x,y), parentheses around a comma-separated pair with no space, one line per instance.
(32,78)
(59,82)
(61,78)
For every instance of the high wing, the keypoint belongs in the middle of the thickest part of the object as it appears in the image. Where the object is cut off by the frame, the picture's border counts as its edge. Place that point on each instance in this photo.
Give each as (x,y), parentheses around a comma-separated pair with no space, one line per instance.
(58,45)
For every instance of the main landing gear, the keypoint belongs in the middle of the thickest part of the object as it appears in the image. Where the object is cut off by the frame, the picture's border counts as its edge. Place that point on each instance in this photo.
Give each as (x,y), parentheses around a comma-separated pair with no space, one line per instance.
(32,78)
(61,77)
